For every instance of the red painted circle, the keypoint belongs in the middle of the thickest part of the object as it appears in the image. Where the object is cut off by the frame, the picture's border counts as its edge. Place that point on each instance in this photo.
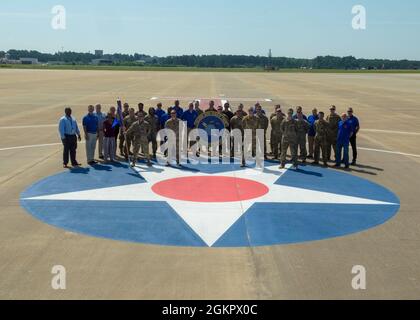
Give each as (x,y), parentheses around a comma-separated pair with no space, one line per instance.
(210,189)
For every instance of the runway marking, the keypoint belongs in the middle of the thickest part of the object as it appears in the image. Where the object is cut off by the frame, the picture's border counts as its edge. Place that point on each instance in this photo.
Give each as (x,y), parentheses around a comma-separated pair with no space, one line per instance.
(59,144)
(395,132)
(392,152)
(32,146)
(36,146)
(31,126)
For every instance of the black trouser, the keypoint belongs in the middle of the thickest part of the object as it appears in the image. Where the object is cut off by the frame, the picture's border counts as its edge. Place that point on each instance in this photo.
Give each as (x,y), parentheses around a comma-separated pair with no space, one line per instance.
(70,146)
(353,142)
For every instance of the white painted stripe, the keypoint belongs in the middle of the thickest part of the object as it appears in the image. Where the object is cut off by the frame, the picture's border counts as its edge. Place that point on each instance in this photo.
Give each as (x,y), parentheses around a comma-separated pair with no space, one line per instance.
(32,146)
(268,100)
(390,131)
(391,152)
(36,146)
(31,126)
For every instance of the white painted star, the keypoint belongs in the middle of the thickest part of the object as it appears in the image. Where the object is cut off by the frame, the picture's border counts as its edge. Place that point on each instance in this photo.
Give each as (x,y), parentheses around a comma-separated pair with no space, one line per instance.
(210,220)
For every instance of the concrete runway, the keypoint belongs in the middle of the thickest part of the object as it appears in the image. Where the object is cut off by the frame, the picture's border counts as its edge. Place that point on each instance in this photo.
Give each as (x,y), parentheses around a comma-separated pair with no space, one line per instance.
(32,102)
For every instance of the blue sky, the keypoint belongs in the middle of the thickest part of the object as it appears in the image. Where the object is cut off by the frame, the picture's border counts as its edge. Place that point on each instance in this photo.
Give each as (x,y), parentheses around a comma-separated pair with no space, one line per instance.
(295,28)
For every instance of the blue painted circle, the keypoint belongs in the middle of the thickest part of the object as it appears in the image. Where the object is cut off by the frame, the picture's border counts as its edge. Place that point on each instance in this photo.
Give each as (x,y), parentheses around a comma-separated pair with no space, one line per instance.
(210,123)
(264,224)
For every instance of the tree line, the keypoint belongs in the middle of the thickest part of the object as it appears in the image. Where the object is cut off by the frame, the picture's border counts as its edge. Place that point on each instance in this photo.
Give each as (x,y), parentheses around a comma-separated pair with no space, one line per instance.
(218,61)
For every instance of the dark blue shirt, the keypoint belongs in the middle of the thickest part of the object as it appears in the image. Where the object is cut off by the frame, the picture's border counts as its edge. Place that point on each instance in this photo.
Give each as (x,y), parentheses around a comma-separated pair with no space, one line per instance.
(160,113)
(190,117)
(163,119)
(354,123)
(345,129)
(91,122)
(179,112)
(312,119)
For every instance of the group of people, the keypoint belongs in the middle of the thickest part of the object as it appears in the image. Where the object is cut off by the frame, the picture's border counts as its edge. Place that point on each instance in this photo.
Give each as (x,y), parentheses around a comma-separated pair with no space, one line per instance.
(132,131)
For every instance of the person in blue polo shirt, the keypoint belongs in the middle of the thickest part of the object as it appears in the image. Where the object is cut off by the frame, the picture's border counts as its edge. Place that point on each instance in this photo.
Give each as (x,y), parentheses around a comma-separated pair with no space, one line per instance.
(345,132)
(312,133)
(190,116)
(178,109)
(160,113)
(355,124)
(90,126)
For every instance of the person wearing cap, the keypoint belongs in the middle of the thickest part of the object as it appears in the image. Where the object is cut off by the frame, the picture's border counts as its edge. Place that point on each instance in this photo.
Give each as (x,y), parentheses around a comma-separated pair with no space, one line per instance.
(355,124)
(345,132)
(276,133)
(311,133)
(333,120)
(321,140)
(154,123)
(302,132)
(289,140)
(263,124)
(250,122)
(173,124)
(125,113)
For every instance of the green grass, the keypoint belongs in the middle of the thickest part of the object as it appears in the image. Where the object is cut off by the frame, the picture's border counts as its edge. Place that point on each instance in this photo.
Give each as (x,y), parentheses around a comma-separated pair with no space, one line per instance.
(193,69)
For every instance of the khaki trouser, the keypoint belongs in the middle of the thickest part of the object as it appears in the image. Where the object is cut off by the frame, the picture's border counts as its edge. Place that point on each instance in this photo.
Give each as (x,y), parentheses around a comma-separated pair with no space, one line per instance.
(293,149)
(332,143)
(153,140)
(91,146)
(276,145)
(311,141)
(144,146)
(321,145)
(302,146)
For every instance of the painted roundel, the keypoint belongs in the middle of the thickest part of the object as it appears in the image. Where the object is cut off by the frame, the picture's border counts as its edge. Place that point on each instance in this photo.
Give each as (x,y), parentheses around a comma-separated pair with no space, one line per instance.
(210,205)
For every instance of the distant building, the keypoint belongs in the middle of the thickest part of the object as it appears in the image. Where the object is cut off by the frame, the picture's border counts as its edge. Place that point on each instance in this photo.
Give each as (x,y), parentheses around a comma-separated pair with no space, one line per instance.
(55,63)
(99,62)
(29,60)
(99,53)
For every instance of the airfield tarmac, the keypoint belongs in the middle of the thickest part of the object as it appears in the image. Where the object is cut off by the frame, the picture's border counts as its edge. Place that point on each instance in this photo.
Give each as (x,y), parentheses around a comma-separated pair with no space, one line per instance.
(31,103)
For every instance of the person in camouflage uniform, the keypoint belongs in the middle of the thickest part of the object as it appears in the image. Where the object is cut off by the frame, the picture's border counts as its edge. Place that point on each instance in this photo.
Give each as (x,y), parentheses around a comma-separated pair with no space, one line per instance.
(154,122)
(125,113)
(236,123)
(333,119)
(303,129)
(263,123)
(276,133)
(140,131)
(250,122)
(173,124)
(128,122)
(321,139)
(289,140)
